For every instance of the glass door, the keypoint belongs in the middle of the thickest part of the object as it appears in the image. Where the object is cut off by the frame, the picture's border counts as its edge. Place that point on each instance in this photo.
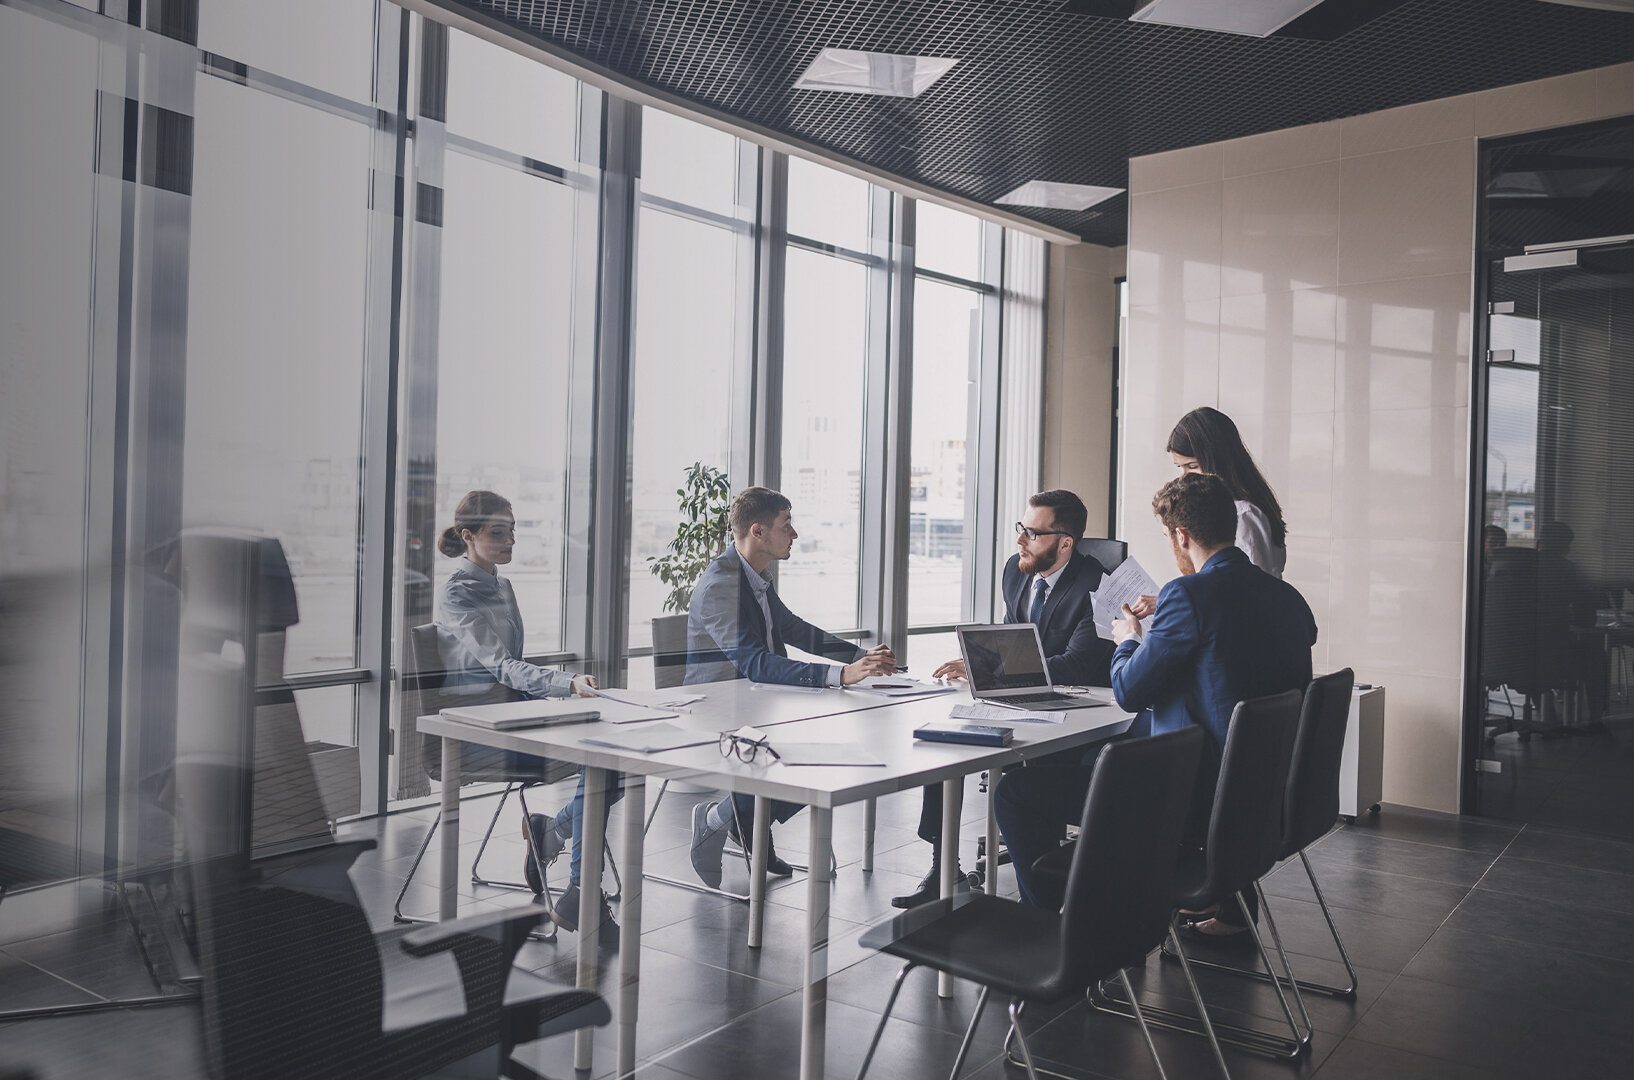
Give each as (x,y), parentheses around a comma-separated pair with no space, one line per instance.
(1556,626)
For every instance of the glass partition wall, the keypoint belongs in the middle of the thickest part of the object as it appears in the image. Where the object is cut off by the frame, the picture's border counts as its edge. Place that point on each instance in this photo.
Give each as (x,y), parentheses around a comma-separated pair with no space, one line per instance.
(1552,717)
(301,294)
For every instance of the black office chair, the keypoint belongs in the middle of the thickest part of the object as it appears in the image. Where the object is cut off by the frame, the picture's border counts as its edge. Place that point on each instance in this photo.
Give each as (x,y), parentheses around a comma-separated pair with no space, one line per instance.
(296,984)
(1312,804)
(1244,836)
(1117,898)
(435,689)
(1109,553)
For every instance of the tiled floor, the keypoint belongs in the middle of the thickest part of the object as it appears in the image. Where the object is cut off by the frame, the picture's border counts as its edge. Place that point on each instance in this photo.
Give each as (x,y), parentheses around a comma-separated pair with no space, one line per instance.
(1485,949)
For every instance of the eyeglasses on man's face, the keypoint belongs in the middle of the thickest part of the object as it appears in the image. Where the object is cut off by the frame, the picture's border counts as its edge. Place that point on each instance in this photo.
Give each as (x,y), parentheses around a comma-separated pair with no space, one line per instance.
(744,748)
(1034,534)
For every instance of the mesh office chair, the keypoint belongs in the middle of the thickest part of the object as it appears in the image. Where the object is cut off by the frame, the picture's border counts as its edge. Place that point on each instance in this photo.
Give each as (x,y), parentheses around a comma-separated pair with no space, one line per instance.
(1117,898)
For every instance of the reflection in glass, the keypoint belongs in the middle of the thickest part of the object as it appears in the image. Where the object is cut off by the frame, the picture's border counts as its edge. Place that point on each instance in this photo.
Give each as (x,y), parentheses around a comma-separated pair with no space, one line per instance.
(503,370)
(948,242)
(946,357)
(279,38)
(827,206)
(824,402)
(686,344)
(689,163)
(275,345)
(503,99)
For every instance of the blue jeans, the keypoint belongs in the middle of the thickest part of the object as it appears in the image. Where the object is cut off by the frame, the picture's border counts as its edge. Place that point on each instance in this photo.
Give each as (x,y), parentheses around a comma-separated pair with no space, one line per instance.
(570,819)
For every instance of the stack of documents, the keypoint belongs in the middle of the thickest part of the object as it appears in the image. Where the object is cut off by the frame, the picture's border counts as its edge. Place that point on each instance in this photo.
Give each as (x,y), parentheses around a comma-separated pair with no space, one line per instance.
(1125,585)
(1000,714)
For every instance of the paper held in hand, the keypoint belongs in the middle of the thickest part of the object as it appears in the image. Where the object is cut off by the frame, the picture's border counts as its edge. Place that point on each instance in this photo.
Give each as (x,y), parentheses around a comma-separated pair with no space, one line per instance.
(1125,585)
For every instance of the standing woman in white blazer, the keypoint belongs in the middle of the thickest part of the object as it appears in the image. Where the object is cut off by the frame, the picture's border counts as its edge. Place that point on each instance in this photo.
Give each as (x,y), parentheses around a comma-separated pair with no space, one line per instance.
(1205,440)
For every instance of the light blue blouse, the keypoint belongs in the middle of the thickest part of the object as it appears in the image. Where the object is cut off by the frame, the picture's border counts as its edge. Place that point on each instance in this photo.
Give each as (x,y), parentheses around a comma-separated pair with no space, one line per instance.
(483,626)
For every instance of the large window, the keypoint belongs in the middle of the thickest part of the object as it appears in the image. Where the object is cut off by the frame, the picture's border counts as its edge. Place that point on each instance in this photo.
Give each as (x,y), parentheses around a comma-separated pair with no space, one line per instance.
(947,359)
(826,349)
(691,336)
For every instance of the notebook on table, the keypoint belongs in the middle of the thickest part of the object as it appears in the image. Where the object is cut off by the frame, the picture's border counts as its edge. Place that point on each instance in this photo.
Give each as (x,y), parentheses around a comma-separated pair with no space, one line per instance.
(1004,664)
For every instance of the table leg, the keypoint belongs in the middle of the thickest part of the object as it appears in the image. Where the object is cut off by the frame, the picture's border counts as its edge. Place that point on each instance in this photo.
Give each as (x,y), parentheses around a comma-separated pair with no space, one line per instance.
(449,876)
(953,794)
(762,842)
(814,1008)
(870,816)
(629,911)
(595,831)
(992,840)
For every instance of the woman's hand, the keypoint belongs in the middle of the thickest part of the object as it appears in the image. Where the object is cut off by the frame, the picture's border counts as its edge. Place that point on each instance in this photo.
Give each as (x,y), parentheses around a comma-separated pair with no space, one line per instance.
(583,684)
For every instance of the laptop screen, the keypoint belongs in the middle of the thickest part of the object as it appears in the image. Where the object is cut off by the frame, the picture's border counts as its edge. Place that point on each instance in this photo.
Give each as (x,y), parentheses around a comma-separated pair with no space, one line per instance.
(1004,657)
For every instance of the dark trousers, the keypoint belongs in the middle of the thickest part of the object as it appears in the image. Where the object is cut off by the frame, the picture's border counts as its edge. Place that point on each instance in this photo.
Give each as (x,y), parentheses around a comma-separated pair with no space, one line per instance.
(1032,805)
(745,806)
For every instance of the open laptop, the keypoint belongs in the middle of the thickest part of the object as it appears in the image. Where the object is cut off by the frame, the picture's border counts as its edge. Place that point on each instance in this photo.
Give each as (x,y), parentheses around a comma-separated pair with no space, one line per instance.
(1004,664)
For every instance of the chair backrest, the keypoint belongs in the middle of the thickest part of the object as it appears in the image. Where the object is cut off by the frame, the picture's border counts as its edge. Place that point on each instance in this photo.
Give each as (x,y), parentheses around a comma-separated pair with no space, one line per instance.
(1109,553)
(1313,774)
(434,690)
(669,650)
(1117,898)
(1245,829)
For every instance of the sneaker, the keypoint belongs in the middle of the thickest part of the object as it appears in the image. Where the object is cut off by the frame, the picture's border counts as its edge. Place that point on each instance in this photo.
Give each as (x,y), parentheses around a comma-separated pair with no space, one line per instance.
(775,867)
(565,914)
(930,888)
(707,844)
(544,844)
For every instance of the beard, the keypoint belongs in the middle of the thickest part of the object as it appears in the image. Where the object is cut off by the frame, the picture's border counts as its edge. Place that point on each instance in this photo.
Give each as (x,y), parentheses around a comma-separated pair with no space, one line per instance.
(1181,559)
(1029,563)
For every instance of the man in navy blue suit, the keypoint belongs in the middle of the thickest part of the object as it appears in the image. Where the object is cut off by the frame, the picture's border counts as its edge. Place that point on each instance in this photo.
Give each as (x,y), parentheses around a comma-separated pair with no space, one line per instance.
(738,628)
(1048,581)
(1223,631)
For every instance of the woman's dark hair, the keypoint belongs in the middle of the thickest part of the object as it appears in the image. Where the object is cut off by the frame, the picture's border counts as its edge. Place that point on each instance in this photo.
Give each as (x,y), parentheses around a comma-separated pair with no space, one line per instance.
(1209,436)
(473,512)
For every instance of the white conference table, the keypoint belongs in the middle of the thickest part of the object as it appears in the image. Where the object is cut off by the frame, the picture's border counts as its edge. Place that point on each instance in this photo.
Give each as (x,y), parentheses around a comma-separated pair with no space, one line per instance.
(880,726)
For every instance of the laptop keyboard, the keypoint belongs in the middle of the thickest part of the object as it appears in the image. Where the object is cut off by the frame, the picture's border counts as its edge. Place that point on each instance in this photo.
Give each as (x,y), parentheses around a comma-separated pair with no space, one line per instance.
(1030,699)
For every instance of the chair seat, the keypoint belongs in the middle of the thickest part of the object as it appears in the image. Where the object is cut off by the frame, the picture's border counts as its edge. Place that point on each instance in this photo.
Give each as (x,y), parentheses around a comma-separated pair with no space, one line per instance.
(986,939)
(1192,890)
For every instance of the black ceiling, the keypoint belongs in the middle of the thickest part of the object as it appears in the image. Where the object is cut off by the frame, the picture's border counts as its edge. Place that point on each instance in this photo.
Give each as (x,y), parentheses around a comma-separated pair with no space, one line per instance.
(1045,90)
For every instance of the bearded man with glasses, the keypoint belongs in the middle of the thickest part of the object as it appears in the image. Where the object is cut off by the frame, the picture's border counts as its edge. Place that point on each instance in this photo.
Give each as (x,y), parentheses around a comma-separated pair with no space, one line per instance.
(1050,583)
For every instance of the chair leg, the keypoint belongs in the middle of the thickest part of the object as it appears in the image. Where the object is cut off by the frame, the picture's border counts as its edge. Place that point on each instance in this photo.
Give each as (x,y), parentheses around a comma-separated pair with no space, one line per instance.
(1276,938)
(397,908)
(970,1034)
(1347,993)
(476,864)
(1202,1010)
(890,1003)
(1021,1040)
(1140,1017)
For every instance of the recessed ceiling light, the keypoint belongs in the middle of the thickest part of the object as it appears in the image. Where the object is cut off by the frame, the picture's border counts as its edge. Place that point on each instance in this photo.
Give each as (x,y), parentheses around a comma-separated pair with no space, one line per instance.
(1047,194)
(1256,18)
(850,71)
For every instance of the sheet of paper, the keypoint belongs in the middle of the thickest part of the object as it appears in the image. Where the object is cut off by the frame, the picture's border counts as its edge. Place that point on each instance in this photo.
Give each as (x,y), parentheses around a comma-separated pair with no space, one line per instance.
(812,753)
(675,698)
(650,739)
(1125,585)
(998,714)
(787,688)
(898,686)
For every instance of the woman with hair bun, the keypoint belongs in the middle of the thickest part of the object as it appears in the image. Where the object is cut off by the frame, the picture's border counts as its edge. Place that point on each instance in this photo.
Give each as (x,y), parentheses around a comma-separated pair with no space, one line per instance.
(482,630)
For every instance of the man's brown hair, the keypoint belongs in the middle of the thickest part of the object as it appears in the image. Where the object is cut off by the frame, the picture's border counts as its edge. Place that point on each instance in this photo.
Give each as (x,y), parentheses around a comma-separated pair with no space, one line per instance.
(1200,503)
(1071,516)
(755,505)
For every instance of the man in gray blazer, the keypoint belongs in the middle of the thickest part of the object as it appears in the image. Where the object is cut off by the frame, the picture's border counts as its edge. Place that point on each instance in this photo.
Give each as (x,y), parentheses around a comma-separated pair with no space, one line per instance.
(738,628)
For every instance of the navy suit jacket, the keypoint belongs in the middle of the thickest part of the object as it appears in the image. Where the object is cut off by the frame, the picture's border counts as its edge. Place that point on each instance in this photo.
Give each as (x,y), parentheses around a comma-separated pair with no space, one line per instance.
(1226,633)
(1076,655)
(726,633)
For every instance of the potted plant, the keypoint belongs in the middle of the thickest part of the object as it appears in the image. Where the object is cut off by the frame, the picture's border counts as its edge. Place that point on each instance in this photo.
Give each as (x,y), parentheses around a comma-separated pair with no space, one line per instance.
(699,538)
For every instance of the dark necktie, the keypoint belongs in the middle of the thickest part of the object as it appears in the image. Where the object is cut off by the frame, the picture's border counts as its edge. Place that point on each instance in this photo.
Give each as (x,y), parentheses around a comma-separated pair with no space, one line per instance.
(1037,613)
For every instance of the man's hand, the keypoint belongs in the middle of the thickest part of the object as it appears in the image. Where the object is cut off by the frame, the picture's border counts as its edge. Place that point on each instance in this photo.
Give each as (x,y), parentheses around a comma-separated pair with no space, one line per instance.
(583,684)
(953,669)
(879,660)
(1127,627)
(1143,607)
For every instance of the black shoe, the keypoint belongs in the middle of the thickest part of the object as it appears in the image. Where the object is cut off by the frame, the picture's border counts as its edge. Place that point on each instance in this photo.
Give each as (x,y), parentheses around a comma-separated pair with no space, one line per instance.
(930,888)
(775,867)
(545,843)
(565,914)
